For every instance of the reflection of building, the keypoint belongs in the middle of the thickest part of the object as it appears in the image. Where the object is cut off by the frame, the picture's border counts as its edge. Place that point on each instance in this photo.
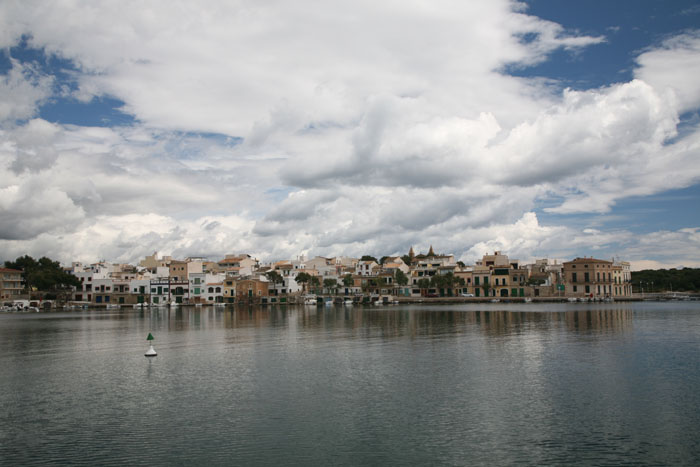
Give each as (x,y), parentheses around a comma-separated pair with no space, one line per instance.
(588,277)
(599,320)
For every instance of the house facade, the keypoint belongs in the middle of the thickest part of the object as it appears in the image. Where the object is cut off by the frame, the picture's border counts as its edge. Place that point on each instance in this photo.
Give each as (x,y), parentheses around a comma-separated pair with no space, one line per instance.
(10,283)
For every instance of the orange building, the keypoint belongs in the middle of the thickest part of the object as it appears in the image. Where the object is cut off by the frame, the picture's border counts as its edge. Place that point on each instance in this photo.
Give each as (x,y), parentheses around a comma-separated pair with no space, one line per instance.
(588,277)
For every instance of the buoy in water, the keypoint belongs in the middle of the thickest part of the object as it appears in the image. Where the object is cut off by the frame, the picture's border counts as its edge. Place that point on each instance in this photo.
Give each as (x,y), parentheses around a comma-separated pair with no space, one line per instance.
(151,352)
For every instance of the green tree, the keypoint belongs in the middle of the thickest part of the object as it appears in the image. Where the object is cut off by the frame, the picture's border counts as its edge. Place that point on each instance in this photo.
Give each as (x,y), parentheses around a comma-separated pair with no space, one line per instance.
(303,279)
(406,259)
(331,285)
(677,280)
(535,281)
(423,284)
(274,277)
(348,281)
(45,274)
(369,258)
(314,282)
(401,278)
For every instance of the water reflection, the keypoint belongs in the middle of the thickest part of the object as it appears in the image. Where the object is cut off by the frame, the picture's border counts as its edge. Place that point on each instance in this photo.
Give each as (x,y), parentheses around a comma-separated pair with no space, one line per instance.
(388,322)
(400,385)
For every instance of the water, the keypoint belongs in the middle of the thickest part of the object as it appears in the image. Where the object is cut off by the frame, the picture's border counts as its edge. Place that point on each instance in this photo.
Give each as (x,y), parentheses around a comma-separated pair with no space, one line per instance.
(486,384)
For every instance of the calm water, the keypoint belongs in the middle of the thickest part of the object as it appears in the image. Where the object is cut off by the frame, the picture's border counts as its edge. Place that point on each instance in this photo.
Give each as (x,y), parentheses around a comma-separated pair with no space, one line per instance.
(492,384)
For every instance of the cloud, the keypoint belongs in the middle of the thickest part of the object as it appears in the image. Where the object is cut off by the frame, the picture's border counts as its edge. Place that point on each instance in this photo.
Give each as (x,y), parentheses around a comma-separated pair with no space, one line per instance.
(671,68)
(34,146)
(21,89)
(345,128)
(34,208)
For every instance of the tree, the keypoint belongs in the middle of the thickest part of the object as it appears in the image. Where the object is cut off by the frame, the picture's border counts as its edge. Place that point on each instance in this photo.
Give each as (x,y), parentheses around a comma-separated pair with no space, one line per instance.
(303,278)
(535,281)
(315,282)
(369,258)
(677,280)
(423,284)
(401,278)
(383,259)
(274,277)
(461,264)
(330,284)
(44,275)
(407,259)
(348,281)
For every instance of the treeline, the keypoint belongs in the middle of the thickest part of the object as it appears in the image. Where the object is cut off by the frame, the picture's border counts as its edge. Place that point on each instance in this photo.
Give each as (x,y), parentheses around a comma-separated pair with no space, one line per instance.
(662,280)
(43,274)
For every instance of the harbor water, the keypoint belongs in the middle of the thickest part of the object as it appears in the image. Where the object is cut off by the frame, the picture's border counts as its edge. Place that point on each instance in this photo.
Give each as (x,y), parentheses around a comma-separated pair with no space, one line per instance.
(486,384)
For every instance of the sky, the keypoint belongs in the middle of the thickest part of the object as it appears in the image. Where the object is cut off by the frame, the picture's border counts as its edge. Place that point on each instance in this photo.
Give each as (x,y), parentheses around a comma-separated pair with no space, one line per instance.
(542,129)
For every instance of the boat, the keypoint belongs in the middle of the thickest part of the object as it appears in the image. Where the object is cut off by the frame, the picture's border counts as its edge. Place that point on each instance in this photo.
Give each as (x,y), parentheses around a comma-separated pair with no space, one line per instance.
(309,300)
(348,301)
(528,300)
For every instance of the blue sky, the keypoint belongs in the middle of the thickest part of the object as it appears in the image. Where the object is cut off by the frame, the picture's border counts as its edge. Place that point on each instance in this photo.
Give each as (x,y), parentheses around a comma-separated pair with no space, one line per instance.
(541,129)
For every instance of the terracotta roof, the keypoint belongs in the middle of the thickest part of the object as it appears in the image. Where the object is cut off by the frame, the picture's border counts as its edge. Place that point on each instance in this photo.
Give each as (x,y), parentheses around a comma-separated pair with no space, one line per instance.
(9,270)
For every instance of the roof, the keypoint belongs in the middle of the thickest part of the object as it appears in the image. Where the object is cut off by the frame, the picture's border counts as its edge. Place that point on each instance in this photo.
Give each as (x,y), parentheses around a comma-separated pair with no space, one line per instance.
(9,270)
(589,260)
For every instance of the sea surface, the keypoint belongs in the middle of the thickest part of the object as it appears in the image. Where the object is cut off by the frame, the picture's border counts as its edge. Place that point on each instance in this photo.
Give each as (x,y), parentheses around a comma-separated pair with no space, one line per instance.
(482,384)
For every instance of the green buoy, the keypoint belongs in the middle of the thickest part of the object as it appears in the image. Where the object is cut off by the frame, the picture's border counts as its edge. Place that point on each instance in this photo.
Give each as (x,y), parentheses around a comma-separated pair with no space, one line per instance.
(151,352)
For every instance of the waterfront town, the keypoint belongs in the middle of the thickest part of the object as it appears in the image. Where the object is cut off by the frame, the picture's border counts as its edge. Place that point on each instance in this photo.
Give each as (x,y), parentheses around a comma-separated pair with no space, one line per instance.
(240,278)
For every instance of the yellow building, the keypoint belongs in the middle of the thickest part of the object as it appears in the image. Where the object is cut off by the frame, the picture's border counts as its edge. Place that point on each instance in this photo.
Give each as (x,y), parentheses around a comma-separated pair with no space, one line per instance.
(10,283)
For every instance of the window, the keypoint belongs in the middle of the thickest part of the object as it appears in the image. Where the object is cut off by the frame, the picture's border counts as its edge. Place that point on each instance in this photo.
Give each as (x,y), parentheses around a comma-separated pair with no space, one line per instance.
(588,289)
(586,277)
(575,289)
(573,277)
